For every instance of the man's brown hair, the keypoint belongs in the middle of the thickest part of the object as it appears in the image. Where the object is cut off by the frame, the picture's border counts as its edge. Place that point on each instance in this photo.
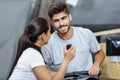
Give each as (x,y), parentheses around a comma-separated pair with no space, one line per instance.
(57,8)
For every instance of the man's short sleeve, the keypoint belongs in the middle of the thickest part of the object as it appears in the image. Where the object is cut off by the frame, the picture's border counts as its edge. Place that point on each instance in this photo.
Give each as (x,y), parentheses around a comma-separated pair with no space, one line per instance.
(93,43)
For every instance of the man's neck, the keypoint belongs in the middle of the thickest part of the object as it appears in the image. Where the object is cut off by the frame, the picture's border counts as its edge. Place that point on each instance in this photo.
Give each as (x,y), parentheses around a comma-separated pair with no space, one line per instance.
(68,35)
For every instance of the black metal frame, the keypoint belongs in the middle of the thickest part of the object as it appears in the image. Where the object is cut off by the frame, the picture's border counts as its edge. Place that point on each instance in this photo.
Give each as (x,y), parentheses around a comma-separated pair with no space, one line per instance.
(81,75)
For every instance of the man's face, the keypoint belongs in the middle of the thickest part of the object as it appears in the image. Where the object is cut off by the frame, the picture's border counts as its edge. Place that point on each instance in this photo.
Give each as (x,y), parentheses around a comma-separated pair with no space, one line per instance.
(61,22)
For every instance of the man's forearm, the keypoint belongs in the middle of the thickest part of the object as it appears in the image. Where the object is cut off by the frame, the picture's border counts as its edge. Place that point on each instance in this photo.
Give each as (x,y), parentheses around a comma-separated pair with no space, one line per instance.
(99,57)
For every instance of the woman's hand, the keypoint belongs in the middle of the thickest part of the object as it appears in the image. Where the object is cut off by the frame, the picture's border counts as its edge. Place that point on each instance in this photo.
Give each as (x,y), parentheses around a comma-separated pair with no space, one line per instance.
(69,54)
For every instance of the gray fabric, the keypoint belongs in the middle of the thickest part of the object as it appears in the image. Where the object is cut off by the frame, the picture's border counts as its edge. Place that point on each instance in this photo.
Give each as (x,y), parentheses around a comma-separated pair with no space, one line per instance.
(14,15)
(44,7)
(97,15)
(86,43)
(96,12)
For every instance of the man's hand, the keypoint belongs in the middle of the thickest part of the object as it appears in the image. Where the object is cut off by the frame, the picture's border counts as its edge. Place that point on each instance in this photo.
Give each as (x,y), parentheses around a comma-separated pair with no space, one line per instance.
(94,70)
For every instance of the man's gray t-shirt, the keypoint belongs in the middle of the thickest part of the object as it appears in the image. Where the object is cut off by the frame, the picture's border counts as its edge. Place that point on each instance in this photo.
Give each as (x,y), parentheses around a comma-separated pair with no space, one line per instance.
(84,41)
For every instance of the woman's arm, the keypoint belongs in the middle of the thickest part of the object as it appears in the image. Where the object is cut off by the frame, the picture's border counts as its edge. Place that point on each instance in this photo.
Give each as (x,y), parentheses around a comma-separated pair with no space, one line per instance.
(42,73)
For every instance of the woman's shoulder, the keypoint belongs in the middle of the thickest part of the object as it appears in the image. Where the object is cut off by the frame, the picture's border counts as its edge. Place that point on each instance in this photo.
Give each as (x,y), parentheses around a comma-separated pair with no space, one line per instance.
(30,50)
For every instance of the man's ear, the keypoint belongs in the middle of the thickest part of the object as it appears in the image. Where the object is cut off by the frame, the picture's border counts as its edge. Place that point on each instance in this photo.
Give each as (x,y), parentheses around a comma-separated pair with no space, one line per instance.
(51,23)
(70,16)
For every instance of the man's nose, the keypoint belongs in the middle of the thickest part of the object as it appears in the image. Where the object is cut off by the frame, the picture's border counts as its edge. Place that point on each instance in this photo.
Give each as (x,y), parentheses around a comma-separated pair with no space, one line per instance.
(61,22)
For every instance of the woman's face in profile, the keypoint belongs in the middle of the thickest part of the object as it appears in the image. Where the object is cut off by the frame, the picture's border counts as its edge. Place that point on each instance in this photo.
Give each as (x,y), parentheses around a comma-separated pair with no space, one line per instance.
(48,34)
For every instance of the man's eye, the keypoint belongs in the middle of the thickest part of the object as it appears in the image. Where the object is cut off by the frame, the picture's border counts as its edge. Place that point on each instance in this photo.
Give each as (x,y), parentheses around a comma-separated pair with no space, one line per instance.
(63,18)
(55,20)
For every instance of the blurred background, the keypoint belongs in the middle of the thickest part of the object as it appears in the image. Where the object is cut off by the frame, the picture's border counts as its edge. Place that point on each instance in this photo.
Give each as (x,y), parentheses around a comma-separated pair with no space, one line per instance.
(100,16)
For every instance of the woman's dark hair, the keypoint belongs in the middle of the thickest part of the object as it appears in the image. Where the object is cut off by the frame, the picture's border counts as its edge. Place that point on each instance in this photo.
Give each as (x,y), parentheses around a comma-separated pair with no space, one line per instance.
(57,8)
(35,28)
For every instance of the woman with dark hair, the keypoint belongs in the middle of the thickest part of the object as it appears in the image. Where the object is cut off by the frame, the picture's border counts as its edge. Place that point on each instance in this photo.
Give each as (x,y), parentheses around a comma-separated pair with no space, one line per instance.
(29,63)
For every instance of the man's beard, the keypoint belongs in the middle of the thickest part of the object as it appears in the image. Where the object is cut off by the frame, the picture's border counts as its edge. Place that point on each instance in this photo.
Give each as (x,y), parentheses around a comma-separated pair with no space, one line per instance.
(66,31)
